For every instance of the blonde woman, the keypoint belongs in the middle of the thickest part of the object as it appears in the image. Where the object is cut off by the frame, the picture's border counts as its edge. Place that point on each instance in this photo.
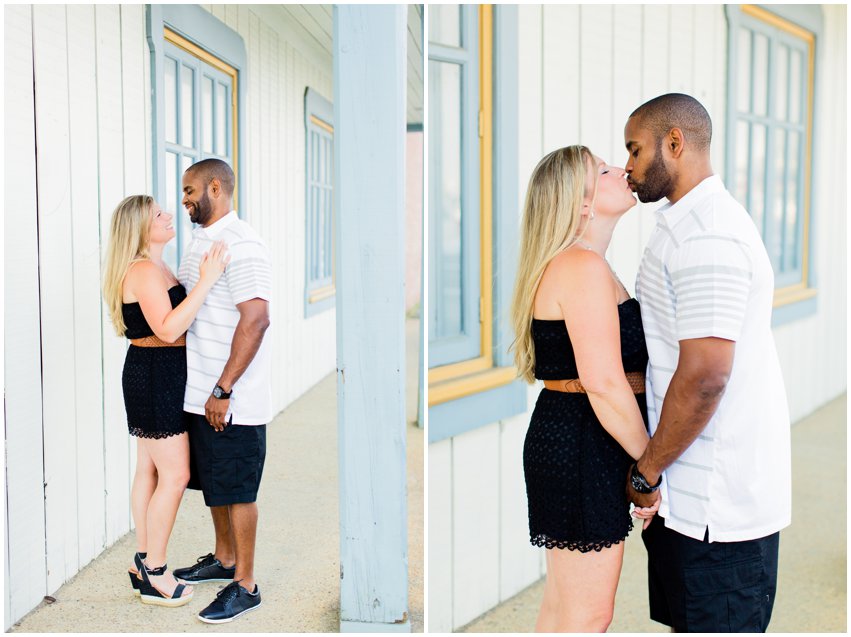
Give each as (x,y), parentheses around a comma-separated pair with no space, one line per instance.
(579,331)
(150,308)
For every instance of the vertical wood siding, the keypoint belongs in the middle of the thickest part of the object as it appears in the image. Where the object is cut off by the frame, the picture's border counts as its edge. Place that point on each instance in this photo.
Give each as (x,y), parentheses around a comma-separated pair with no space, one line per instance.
(78,92)
(279,71)
(25,526)
(583,69)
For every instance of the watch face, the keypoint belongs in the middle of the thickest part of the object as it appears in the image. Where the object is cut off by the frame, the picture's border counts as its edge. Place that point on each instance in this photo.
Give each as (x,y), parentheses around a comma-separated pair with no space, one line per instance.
(217,392)
(638,484)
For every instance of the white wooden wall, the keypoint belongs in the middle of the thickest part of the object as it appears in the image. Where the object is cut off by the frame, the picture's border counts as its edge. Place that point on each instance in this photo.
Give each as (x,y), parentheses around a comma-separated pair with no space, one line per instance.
(281,64)
(582,70)
(77,82)
(80,101)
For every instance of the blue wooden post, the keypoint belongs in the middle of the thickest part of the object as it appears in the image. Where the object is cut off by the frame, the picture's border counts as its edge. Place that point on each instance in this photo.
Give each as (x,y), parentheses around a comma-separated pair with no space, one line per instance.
(369,164)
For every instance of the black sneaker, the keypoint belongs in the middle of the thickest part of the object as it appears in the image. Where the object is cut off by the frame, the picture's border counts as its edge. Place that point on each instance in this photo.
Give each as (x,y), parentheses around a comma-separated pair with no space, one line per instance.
(206,569)
(231,602)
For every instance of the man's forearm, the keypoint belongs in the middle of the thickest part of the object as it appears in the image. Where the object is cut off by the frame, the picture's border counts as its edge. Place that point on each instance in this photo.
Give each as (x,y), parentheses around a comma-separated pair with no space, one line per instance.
(687,408)
(246,341)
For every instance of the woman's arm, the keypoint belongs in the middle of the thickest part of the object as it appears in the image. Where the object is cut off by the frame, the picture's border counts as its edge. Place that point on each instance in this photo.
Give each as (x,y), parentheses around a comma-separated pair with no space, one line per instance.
(146,283)
(588,299)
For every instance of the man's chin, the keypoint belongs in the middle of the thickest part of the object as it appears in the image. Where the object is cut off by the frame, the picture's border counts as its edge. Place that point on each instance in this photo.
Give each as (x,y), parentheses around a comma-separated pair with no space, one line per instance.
(643,198)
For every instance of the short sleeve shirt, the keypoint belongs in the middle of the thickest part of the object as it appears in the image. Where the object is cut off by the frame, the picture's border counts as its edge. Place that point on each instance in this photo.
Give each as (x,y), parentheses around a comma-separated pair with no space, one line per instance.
(208,341)
(706,273)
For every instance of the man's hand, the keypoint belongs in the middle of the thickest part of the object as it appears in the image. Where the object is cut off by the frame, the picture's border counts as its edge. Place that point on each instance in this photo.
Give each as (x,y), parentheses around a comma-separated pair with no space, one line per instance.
(643,500)
(216,410)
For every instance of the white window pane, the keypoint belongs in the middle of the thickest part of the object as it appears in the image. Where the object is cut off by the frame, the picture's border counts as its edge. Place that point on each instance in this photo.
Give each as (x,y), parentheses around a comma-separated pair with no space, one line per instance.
(207,114)
(171,186)
(774,213)
(185,222)
(444,24)
(781,86)
(758,164)
(170,255)
(791,256)
(743,69)
(329,234)
(760,74)
(796,86)
(320,236)
(445,201)
(187,106)
(170,82)
(317,233)
(222,95)
(742,153)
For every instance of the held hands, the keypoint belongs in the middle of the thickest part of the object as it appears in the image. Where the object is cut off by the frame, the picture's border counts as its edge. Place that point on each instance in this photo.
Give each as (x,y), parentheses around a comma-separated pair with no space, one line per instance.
(647,513)
(214,262)
(646,504)
(216,410)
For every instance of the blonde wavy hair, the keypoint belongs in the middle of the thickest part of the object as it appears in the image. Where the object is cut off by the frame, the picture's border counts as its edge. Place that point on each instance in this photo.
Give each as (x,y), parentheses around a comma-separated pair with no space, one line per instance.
(551,223)
(129,236)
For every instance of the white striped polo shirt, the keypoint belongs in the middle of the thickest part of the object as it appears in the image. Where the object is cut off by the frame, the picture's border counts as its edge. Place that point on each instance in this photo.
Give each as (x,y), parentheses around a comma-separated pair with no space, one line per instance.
(208,341)
(705,272)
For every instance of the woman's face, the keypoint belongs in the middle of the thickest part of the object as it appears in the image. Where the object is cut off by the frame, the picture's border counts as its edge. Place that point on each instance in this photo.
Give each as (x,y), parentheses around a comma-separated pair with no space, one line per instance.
(614,196)
(162,230)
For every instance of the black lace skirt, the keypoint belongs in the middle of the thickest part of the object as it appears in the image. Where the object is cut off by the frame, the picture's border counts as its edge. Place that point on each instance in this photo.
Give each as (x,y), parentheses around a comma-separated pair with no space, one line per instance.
(154,382)
(575,475)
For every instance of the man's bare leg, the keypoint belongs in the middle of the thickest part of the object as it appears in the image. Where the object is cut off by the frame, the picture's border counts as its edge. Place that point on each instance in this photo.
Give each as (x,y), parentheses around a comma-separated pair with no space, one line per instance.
(243,523)
(225,545)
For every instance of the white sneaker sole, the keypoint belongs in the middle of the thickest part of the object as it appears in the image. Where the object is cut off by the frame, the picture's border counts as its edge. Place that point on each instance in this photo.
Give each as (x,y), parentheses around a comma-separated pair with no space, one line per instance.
(229,619)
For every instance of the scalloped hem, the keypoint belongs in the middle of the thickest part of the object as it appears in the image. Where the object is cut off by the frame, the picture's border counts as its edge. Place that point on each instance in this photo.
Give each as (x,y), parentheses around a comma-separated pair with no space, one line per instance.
(154,435)
(544,541)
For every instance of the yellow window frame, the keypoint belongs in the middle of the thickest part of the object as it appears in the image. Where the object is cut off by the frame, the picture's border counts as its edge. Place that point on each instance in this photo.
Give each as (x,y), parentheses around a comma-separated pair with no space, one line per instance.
(205,56)
(320,294)
(797,291)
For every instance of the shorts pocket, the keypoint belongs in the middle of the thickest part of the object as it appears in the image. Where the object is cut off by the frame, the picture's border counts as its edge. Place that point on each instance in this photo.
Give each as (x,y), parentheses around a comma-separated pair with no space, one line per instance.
(234,460)
(725,598)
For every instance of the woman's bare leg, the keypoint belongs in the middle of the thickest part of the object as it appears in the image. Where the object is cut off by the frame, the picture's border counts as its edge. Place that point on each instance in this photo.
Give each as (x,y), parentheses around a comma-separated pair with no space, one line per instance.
(144,483)
(579,593)
(171,459)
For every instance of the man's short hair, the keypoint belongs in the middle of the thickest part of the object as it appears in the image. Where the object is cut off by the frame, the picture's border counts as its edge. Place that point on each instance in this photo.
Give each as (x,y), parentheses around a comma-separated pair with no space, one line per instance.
(676,110)
(209,169)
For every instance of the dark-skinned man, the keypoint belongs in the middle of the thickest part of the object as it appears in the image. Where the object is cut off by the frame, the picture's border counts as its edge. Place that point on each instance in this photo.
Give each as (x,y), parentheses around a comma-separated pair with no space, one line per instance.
(719,456)
(228,399)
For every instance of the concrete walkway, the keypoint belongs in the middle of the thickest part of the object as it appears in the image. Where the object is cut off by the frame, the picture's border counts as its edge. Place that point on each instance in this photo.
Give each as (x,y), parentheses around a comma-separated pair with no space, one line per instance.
(297,559)
(811,588)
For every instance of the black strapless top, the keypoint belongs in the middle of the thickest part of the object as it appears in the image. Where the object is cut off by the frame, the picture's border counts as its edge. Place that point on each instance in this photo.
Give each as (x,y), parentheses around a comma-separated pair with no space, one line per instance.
(134,320)
(554,357)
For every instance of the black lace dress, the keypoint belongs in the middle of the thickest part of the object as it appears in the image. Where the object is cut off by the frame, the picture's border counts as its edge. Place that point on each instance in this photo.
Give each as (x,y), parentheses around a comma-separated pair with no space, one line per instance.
(575,471)
(154,378)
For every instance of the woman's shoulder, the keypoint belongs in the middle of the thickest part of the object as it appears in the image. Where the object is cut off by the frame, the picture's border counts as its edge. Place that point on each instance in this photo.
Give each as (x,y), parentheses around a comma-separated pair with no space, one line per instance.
(578,263)
(141,272)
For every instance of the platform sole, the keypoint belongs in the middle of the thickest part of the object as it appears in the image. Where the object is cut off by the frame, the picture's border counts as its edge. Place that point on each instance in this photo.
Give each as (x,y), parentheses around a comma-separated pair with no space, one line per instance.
(168,602)
(134,582)
(229,619)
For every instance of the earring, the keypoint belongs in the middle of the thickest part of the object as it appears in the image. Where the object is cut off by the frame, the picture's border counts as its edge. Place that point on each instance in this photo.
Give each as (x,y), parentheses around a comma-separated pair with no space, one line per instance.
(591,215)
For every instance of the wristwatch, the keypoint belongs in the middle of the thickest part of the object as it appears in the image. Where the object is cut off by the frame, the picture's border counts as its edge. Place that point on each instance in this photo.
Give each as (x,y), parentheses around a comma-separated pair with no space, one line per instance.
(219,392)
(639,482)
